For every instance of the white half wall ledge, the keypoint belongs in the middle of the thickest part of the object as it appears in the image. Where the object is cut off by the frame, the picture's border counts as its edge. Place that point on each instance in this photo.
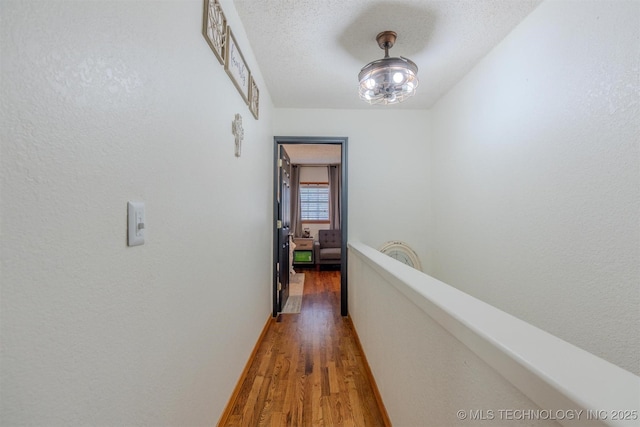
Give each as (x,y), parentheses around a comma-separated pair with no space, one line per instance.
(553,373)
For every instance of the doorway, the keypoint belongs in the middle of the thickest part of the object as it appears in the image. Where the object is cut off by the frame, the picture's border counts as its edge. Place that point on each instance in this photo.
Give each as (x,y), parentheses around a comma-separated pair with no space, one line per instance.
(281,210)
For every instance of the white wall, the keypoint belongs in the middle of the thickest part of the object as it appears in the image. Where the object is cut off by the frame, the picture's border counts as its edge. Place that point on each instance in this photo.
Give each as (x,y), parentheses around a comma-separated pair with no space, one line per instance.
(388,169)
(536,177)
(314,174)
(105,102)
(425,374)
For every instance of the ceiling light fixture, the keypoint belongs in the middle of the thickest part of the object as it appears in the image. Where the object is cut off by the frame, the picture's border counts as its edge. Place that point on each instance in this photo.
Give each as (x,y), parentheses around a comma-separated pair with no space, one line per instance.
(388,80)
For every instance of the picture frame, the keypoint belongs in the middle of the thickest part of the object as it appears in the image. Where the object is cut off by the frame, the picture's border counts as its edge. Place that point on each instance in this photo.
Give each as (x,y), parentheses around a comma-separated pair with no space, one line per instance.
(236,67)
(214,28)
(254,98)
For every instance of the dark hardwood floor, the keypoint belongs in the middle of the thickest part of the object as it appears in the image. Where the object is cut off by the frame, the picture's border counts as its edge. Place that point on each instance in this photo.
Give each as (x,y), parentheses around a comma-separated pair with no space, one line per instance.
(309,370)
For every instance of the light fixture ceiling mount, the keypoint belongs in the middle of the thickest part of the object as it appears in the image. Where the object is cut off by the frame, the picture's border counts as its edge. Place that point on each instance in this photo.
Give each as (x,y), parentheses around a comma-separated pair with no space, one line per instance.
(386,40)
(389,80)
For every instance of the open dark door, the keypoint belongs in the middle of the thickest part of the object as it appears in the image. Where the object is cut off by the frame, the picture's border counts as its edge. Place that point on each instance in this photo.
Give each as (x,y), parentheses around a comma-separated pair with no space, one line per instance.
(284,227)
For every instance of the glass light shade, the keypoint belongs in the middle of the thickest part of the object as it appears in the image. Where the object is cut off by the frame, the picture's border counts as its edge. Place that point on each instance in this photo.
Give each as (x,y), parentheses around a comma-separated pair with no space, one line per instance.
(388,80)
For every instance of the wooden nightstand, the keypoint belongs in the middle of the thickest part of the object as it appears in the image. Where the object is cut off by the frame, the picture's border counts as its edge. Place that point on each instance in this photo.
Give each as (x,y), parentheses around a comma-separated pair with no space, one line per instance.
(303,243)
(303,252)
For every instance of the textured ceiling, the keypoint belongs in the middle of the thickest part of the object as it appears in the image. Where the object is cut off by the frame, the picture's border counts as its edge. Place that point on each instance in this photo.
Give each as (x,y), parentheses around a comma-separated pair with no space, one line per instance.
(311,51)
(314,154)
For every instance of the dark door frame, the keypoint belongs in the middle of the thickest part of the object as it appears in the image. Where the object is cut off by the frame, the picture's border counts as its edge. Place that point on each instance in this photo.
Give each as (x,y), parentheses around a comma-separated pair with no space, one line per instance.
(342,141)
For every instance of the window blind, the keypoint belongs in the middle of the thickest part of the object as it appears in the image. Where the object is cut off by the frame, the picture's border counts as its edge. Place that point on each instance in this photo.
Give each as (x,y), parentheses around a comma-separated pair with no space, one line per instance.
(314,202)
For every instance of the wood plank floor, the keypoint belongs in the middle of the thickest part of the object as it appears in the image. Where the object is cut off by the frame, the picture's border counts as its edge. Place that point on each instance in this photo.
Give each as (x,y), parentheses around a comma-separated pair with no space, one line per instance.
(308,370)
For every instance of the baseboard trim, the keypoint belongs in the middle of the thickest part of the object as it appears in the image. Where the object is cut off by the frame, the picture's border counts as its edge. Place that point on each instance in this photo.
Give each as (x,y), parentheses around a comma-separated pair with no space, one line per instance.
(376,392)
(234,396)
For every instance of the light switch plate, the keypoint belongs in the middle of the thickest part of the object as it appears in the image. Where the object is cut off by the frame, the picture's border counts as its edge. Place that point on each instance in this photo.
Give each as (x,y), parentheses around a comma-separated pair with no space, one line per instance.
(135,223)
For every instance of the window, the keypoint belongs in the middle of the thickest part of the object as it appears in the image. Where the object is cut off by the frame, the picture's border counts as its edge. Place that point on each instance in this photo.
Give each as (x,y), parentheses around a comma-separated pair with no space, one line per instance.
(314,202)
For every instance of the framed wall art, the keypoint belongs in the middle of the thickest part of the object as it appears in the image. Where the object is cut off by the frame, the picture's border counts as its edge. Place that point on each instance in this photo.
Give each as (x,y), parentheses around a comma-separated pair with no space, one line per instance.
(214,28)
(236,66)
(254,98)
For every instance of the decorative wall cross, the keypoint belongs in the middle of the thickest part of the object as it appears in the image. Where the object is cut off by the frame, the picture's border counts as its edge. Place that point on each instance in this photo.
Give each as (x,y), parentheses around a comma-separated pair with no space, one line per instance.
(236,129)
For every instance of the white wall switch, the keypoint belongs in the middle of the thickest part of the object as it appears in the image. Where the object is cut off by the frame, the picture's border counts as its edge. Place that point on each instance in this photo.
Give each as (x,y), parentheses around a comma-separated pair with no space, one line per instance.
(136,223)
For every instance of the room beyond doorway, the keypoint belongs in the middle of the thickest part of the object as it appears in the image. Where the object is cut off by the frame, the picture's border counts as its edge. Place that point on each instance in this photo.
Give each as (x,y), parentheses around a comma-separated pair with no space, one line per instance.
(282,207)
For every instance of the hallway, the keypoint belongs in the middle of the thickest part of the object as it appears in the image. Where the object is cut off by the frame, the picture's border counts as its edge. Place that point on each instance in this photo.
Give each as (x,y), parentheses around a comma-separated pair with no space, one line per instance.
(309,370)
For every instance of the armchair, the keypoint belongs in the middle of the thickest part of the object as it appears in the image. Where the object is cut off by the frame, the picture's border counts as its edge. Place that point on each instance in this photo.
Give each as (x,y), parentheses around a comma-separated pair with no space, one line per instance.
(327,250)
